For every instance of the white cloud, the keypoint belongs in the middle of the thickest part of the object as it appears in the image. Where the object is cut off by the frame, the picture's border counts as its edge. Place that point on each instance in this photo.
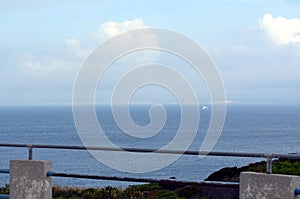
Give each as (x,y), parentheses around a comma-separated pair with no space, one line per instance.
(75,52)
(29,62)
(44,64)
(280,29)
(76,48)
(74,43)
(106,31)
(111,28)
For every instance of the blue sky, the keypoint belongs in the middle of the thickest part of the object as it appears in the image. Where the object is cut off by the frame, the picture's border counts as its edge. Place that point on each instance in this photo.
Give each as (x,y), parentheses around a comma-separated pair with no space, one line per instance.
(254,44)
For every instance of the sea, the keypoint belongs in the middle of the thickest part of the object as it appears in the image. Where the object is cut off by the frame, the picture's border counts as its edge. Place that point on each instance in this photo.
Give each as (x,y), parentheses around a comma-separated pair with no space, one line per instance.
(247,128)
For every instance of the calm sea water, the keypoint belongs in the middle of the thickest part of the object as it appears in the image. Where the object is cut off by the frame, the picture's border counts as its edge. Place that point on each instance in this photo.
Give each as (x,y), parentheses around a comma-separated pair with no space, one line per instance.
(268,129)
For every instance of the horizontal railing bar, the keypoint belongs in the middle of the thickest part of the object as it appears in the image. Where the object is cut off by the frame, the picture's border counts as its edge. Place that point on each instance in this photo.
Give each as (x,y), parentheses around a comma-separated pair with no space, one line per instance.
(131,179)
(141,150)
(14,145)
(4,170)
(114,178)
(4,196)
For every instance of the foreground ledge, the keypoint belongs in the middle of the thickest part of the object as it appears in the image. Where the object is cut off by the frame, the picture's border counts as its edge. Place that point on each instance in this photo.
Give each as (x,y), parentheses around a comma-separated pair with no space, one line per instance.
(28,179)
(265,186)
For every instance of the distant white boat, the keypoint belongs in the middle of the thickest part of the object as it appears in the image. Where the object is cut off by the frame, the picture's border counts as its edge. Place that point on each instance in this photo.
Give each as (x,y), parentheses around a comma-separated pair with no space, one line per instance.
(204,108)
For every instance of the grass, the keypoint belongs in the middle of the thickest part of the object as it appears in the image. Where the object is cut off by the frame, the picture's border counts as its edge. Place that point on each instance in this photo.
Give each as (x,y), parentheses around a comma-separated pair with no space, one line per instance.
(288,167)
(144,191)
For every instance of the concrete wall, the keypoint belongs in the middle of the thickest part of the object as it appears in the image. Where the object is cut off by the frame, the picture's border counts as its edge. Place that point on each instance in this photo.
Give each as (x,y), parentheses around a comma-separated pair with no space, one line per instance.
(268,186)
(28,179)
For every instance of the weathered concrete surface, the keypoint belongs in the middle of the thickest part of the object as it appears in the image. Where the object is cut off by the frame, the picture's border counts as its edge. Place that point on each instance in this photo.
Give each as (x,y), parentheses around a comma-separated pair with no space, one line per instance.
(268,186)
(28,179)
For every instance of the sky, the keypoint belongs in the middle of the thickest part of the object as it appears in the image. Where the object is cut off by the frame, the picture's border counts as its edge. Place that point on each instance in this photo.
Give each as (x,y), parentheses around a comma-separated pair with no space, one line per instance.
(255,46)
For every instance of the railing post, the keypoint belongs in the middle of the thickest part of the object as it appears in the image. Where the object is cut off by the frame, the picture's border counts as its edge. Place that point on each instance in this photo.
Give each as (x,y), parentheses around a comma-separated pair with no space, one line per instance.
(28,179)
(269,164)
(30,151)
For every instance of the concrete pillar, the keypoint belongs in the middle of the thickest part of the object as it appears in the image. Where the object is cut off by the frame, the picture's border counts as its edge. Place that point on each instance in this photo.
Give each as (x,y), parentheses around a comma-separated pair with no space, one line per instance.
(265,186)
(28,179)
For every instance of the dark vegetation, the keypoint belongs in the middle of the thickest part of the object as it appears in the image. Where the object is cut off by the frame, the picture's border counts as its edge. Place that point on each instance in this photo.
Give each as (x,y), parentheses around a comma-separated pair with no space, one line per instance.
(4,190)
(280,166)
(144,191)
(151,191)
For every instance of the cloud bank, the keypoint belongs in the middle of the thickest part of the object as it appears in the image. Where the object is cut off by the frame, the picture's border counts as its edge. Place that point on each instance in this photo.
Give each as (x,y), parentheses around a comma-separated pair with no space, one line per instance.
(75,52)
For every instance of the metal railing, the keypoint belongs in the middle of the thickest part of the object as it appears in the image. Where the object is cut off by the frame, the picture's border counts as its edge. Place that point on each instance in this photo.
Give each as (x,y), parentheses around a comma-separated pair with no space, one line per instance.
(297,192)
(4,196)
(142,180)
(268,156)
